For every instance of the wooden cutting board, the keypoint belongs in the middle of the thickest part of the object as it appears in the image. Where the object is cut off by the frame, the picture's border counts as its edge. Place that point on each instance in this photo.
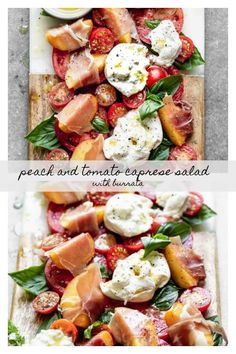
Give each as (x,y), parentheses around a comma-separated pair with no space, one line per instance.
(39,109)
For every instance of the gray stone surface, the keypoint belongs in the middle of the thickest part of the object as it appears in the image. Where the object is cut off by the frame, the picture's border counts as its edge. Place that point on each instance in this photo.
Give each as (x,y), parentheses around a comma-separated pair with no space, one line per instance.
(216,84)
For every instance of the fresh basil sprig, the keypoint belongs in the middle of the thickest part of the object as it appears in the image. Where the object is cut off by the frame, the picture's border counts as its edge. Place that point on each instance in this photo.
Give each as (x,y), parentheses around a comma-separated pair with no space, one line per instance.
(175,228)
(149,107)
(31,279)
(104,318)
(205,213)
(195,60)
(169,85)
(43,135)
(152,23)
(217,338)
(14,337)
(48,320)
(100,125)
(166,297)
(162,151)
(158,241)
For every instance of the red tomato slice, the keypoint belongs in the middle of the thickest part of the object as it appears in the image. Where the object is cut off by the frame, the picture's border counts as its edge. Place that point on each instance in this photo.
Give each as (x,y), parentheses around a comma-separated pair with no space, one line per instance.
(158,221)
(100,198)
(134,244)
(195,202)
(176,15)
(135,100)
(58,154)
(52,241)
(106,94)
(114,254)
(116,111)
(67,327)
(97,18)
(172,70)
(183,152)
(101,40)
(60,96)
(104,242)
(139,16)
(46,302)
(155,73)
(57,279)
(197,296)
(54,214)
(160,324)
(102,113)
(69,141)
(60,61)
(187,49)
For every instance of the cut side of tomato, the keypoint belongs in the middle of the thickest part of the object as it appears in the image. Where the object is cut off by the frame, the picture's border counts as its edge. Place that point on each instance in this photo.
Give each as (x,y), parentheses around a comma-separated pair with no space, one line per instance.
(100,198)
(114,254)
(52,241)
(176,15)
(172,70)
(197,296)
(183,152)
(58,154)
(97,18)
(67,327)
(134,244)
(60,96)
(69,141)
(155,73)
(135,100)
(106,95)
(60,61)
(57,279)
(104,242)
(195,203)
(139,18)
(187,49)
(46,302)
(116,111)
(54,214)
(101,40)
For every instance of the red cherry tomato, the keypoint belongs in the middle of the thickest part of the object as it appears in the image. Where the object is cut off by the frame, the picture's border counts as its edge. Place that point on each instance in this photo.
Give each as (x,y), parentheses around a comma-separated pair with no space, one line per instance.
(187,49)
(101,40)
(57,279)
(197,296)
(46,302)
(155,73)
(60,61)
(69,141)
(67,327)
(134,244)
(135,100)
(116,111)
(52,241)
(106,94)
(58,154)
(158,221)
(60,96)
(195,203)
(97,18)
(114,254)
(100,198)
(54,214)
(183,152)
(104,242)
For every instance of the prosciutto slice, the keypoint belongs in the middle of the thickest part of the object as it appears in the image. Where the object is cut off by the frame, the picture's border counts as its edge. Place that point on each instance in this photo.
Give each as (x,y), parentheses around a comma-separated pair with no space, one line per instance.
(131,327)
(81,219)
(74,254)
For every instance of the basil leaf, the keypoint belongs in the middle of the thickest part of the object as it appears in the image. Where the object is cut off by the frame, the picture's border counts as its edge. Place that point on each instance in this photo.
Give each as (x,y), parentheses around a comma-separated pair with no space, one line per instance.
(162,151)
(48,320)
(100,125)
(217,338)
(175,228)
(195,60)
(158,241)
(14,337)
(149,107)
(169,85)
(44,135)
(166,297)
(152,23)
(103,271)
(105,318)
(31,279)
(44,13)
(205,213)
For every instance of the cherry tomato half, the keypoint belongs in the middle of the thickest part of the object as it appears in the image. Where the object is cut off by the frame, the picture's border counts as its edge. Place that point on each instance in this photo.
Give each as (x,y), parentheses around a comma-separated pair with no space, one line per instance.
(114,254)
(183,152)
(134,244)
(58,154)
(101,40)
(187,49)
(60,96)
(116,111)
(57,279)
(54,214)
(106,94)
(60,61)
(104,242)
(46,302)
(52,241)
(197,296)
(155,73)
(195,203)
(67,327)
(135,100)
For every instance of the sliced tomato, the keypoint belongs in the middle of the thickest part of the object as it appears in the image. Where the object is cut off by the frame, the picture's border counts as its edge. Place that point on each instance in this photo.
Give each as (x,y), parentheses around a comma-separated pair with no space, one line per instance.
(60,61)
(106,95)
(187,49)
(54,213)
(57,279)
(102,113)
(135,100)
(100,198)
(139,16)
(114,254)
(157,317)
(155,73)
(97,18)
(46,302)
(183,152)
(172,70)
(158,221)
(52,241)
(58,154)
(60,96)
(104,242)
(176,15)
(69,141)
(116,111)
(67,327)
(197,296)
(195,203)
(134,244)
(101,40)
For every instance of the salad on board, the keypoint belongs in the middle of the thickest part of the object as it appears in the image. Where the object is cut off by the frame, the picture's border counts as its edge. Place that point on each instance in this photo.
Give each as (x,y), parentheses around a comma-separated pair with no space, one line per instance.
(120,87)
(122,269)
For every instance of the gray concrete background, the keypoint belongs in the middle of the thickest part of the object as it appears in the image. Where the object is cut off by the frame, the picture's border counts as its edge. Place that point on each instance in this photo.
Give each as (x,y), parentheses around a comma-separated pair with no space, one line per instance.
(216,84)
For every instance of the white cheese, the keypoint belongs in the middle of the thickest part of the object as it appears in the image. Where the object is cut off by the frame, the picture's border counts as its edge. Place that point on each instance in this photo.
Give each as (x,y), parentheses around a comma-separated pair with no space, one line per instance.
(174,204)
(128,214)
(133,139)
(125,68)
(135,279)
(51,337)
(166,43)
